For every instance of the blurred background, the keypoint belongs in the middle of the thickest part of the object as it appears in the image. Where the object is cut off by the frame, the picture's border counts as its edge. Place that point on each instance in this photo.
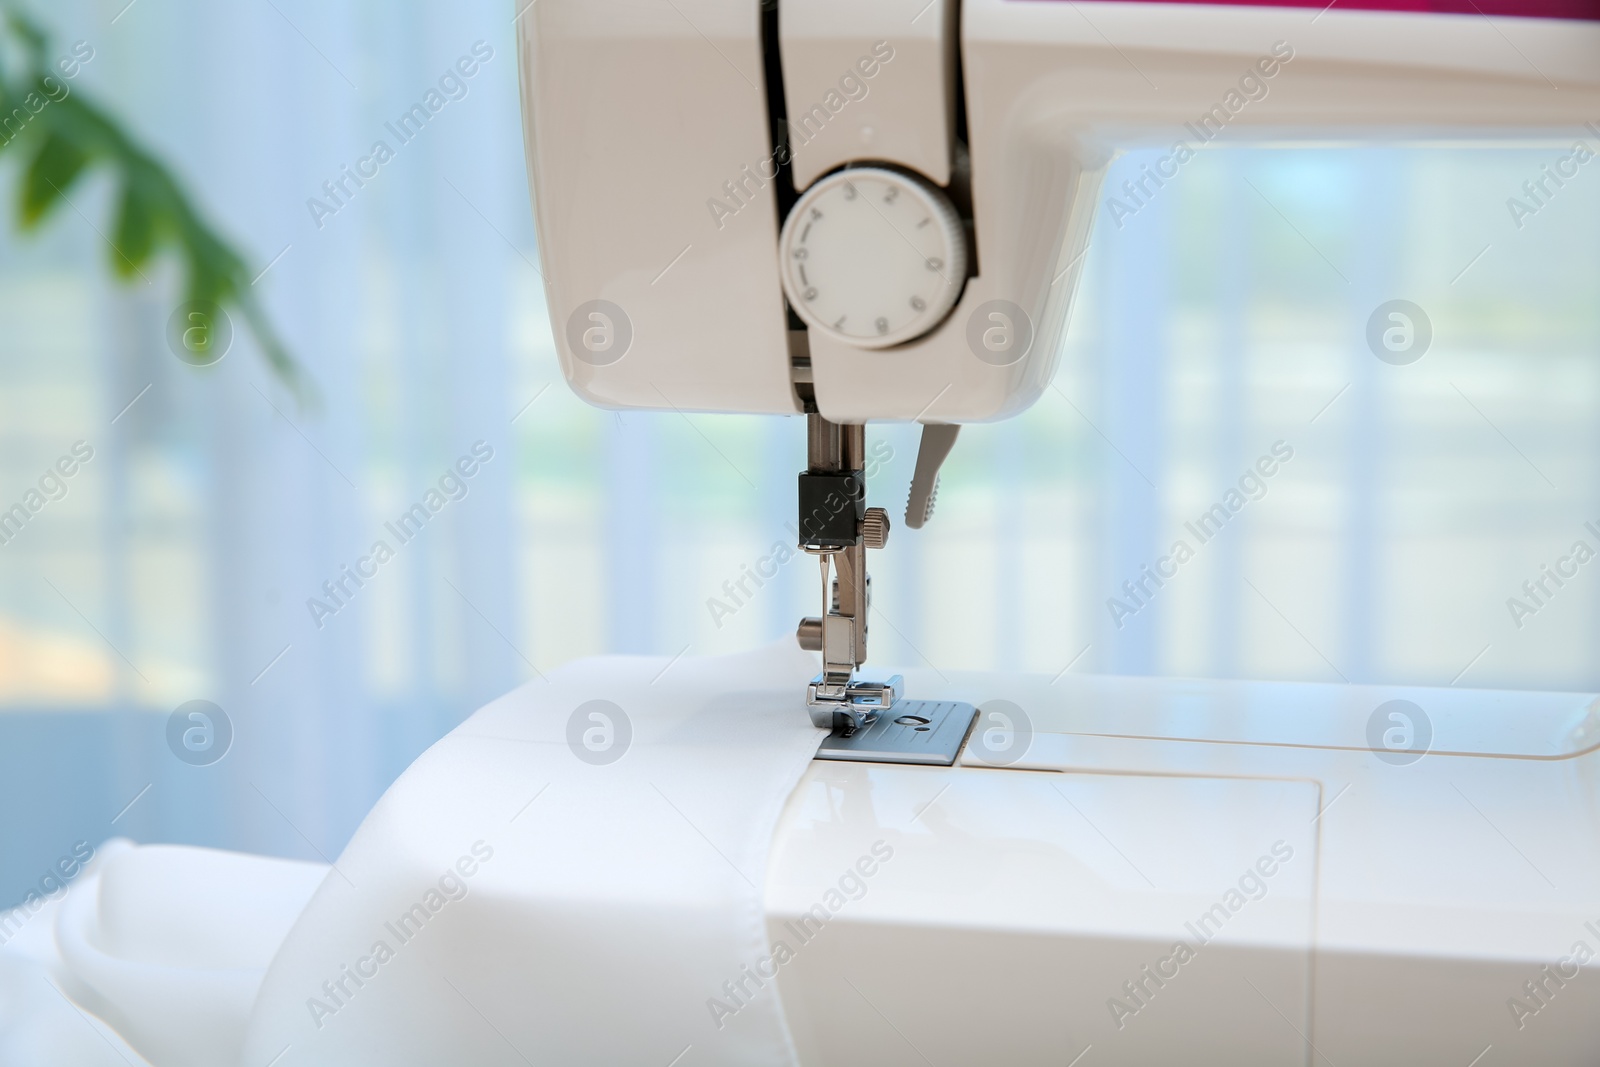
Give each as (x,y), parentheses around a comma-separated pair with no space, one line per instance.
(1228,315)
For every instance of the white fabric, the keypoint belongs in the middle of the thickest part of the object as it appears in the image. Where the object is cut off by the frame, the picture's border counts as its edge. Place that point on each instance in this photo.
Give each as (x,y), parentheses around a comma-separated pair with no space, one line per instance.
(40,1024)
(560,912)
(614,903)
(153,955)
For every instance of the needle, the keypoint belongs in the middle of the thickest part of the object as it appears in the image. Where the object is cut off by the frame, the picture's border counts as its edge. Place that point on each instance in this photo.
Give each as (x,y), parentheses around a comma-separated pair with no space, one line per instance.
(825,558)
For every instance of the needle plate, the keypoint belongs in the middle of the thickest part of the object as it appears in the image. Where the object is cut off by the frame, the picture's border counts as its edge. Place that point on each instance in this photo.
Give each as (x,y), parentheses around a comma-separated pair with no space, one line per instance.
(912,731)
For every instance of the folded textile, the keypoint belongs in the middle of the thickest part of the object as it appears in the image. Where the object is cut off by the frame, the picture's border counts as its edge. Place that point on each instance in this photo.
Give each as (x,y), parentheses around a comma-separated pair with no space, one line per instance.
(153,955)
(571,877)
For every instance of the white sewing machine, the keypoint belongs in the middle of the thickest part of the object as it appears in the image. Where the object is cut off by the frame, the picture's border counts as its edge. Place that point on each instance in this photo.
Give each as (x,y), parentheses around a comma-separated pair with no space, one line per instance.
(877,210)
(857,211)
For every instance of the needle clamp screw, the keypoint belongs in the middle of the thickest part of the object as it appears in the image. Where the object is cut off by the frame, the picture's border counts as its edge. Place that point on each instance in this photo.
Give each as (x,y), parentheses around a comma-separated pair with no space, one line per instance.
(875,528)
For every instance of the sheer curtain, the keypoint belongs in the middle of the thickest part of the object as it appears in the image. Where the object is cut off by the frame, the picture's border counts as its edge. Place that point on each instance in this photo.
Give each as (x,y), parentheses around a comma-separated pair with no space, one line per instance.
(205,552)
(182,563)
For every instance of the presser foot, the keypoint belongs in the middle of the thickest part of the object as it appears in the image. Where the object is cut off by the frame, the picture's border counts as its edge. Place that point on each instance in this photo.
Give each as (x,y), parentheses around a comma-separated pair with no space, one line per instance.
(849,704)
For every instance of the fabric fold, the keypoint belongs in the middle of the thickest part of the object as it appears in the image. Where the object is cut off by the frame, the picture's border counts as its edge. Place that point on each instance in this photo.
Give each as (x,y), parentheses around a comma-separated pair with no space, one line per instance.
(572,876)
(575,875)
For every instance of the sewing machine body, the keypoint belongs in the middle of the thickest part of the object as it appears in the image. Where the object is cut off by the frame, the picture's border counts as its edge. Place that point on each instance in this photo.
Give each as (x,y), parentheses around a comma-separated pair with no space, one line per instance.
(1364,906)
(657,161)
(1165,870)
(1416,901)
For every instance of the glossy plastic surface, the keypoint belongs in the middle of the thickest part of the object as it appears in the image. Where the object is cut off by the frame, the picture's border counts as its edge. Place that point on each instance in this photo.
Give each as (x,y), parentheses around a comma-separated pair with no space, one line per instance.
(683,250)
(1423,890)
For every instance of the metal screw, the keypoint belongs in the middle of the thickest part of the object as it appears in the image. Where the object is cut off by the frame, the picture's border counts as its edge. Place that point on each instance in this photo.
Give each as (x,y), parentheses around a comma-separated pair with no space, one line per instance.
(809,634)
(875,528)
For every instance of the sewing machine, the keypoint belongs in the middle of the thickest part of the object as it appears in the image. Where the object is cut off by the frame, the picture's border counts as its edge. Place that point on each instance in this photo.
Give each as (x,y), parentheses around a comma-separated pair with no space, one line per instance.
(879,211)
(858,211)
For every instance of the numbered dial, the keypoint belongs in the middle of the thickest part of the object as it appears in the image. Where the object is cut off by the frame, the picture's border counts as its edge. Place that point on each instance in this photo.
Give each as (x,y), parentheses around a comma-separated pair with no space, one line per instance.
(873,257)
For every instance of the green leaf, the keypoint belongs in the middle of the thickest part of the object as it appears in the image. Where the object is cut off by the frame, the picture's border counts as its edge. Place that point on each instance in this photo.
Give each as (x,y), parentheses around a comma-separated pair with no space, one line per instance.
(55,167)
(138,222)
(154,214)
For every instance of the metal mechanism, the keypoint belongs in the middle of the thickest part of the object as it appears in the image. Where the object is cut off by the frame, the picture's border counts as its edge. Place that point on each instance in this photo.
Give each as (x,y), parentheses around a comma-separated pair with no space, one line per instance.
(868,720)
(837,527)
(917,731)
(875,528)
